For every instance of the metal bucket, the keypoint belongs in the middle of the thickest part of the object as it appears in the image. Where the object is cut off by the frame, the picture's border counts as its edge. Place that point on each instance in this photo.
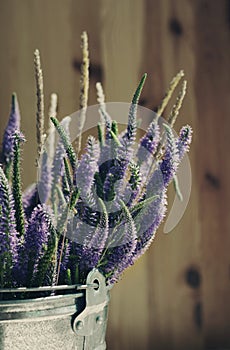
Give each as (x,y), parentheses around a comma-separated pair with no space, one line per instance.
(73,321)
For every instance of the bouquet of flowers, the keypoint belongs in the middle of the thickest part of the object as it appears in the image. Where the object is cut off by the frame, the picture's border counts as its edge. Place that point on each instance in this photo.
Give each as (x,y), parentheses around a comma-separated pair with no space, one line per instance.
(97,208)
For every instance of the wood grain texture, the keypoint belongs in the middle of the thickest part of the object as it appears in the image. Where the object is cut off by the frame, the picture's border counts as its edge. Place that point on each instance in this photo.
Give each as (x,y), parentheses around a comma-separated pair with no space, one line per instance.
(121,35)
(173,255)
(213,55)
(177,297)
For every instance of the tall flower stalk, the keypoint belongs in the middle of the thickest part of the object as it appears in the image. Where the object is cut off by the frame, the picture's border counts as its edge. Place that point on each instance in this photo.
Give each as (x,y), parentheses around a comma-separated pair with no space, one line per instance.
(8,233)
(84,86)
(8,141)
(40,102)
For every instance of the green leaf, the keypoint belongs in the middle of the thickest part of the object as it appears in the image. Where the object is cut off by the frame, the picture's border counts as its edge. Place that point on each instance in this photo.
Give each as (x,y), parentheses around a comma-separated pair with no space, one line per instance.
(143,204)
(138,91)
(115,138)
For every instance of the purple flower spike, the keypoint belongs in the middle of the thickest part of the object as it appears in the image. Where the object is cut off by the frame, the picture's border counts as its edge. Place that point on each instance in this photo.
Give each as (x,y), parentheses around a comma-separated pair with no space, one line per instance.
(12,126)
(157,212)
(124,240)
(34,246)
(170,161)
(87,167)
(8,233)
(184,140)
(93,247)
(45,181)
(30,199)
(149,142)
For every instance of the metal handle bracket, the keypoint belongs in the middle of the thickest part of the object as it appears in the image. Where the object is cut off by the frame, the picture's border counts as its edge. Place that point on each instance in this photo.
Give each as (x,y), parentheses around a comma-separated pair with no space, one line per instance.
(95,312)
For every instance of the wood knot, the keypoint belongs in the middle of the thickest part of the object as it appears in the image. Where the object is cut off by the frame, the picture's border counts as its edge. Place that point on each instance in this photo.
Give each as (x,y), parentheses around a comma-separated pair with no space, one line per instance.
(175,27)
(213,180)
(193,278)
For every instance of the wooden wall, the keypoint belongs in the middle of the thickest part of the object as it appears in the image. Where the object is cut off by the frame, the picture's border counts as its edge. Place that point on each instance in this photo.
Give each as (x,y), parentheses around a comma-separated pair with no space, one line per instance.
(178,295)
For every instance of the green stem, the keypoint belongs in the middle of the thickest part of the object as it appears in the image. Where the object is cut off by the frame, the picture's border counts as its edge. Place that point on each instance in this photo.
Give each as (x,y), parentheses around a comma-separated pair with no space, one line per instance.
(17,189)
(67,173)
(100,135)
(68,147)
(114,127)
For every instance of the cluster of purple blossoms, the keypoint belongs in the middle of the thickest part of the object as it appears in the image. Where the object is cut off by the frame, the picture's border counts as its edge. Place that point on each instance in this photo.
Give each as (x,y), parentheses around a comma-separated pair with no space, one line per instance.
(12,126)
(34,246)
(105,207)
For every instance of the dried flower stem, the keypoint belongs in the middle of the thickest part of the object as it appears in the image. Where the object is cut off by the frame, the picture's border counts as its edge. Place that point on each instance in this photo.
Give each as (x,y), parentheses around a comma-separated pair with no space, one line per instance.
(84,82)
(173,116)
(172,86)
(50,141)
(53,106)
(40,103)
(176,108)
(84,85)
(105,118)
(100,95)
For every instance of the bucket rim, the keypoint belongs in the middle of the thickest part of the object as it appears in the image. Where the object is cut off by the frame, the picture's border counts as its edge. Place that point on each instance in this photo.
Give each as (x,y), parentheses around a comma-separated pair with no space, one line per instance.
(41,299)
(74,290)
(48,288)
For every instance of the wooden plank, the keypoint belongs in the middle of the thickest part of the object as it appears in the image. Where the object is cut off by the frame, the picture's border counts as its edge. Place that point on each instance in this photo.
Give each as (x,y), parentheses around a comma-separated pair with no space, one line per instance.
(174,260)
(212,84)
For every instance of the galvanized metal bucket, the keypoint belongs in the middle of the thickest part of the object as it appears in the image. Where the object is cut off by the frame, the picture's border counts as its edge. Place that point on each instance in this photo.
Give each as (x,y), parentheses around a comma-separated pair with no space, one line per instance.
(73,321)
